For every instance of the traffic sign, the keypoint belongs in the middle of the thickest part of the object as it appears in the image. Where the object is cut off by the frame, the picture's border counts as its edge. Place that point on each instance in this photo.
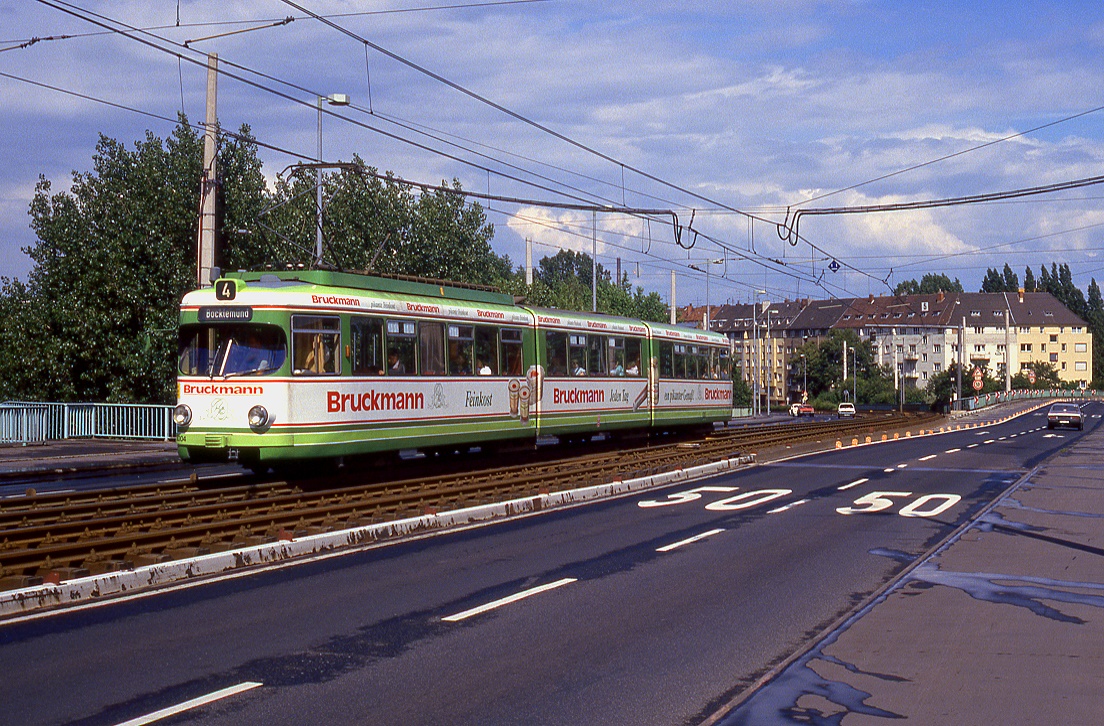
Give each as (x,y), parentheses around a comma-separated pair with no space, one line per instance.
(978,375)
(834,266)
(978,384)
(1031,377)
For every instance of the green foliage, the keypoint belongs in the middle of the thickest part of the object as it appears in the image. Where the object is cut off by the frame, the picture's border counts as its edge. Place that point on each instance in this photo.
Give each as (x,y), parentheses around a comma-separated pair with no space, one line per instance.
(824,365)
(929,284)
(1000,282)
(114,254)
(564,281)
(97,318)
(1046,376)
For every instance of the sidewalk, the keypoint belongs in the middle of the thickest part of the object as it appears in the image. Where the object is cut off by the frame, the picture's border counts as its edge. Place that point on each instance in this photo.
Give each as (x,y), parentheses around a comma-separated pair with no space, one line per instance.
(73,455)
(1005,624)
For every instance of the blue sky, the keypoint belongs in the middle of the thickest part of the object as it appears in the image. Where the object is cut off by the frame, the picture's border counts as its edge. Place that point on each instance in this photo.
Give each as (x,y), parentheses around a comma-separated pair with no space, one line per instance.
(756,106)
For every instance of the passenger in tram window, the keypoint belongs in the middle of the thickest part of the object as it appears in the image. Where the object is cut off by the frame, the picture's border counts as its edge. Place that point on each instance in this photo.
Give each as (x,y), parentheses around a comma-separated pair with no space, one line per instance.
(578,366)
(395,366)
(513,359)
(557,363)
(484,369)
(634,368)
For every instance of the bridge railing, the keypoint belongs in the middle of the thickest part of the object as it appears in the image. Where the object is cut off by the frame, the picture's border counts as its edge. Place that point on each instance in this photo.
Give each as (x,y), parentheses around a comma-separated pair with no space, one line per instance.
(983,400)
(32,422)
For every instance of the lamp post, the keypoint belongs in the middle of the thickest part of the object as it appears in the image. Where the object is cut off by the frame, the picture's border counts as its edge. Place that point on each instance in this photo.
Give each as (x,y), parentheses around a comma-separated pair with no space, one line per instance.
(805,377)
(334,99)
(708,263)
(855,398)
(758,351)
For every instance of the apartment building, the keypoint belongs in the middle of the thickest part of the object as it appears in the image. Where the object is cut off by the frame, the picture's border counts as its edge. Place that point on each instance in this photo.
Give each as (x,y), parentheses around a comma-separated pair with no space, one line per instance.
(918,336)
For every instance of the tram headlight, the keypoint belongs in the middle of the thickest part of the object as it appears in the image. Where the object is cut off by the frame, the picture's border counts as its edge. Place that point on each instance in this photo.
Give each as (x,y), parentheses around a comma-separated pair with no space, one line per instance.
(259,418)
(182,415)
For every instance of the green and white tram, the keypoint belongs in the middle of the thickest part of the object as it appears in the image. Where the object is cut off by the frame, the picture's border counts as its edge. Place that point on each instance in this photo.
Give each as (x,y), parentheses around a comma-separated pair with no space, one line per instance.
(286,366)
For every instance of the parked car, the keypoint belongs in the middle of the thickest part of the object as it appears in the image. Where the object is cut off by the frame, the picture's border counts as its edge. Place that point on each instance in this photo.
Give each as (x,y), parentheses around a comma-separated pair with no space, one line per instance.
(795,408)
(846,410)
(1065,414)
(806,410)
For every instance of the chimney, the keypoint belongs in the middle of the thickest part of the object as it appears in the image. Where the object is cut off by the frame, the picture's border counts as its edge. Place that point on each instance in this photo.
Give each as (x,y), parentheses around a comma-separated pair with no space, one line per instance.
(804,303)
(1021,291)
(940,296)
(871,298)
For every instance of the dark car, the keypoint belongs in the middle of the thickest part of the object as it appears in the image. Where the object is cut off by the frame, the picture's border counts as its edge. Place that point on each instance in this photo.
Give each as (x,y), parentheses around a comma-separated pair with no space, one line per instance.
(1065,414)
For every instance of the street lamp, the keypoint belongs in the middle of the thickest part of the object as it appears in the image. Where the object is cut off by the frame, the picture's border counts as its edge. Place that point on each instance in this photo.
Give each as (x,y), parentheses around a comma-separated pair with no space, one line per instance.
(705,320)
(334,99)
(805,376)
(855,350)
(758,352)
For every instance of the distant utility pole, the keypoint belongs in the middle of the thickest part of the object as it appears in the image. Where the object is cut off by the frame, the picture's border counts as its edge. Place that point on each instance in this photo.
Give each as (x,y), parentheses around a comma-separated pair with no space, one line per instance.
(208,186)
(672,297)
(529,261)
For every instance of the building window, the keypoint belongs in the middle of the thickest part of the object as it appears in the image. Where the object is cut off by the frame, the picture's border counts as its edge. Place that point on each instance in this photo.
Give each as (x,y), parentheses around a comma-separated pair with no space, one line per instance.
(1063,347)
(979,331)
(1080,348)
(1025,347)
(1075,329)
(938,348)
(937,367)
(1081,366)
(1053,357)
(1042,347)
(1054,339)
(979,348)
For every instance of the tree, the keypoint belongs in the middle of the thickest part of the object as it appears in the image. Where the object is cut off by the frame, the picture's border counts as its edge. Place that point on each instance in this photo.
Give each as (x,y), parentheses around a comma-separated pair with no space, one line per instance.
(1046,376)
(1029,280)
(996,281)
(929,284)
(113,257)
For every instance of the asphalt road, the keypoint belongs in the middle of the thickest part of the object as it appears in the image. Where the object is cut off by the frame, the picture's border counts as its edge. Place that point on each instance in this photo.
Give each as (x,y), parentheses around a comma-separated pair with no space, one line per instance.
(658,608)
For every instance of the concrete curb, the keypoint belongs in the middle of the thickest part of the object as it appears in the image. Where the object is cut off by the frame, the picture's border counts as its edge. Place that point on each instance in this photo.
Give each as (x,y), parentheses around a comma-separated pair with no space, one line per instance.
(94,588)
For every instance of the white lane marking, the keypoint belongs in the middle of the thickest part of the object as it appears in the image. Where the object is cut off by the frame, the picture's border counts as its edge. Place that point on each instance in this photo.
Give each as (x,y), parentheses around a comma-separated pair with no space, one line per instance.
(1002,438)
(902,466)
(688,540)
(952,451)
(507,600)
(988,441)
(194,703)
(972,446)
(928,458)
(791,505)
(855,483)
(890,470)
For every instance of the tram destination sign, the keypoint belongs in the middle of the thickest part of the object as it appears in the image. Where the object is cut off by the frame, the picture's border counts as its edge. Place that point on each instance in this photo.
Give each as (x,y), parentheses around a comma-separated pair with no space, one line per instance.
(225,314)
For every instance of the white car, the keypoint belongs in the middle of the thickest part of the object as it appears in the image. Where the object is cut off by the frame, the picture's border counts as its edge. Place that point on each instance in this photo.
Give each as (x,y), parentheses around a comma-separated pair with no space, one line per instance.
(846,410)
(1065,414)
(795,408)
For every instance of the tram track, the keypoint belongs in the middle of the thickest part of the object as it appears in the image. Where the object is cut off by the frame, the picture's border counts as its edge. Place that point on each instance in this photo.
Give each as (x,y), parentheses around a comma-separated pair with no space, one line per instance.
(56,537)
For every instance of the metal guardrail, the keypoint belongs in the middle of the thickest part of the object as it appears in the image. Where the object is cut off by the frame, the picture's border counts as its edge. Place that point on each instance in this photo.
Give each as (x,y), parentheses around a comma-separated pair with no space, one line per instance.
(973,403)
(22,425)
(32,422)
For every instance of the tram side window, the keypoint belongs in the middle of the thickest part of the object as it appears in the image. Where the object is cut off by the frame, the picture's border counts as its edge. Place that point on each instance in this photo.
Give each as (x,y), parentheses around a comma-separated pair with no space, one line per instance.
(615,356)
(596,355)
(632,357)
(486,351)
(461,349)
(725,363)
(512,360)
(577,354)
(316,340)
(366,346)
(701,362)
(431,344)
(683,361)
(666,360)
(557,352)
(401,343)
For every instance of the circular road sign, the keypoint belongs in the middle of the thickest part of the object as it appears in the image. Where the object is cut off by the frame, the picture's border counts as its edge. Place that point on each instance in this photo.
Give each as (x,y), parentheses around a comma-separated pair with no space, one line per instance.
(978,384)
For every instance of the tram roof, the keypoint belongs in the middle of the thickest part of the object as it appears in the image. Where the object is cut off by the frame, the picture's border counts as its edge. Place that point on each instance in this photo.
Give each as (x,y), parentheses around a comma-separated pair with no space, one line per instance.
(396,284)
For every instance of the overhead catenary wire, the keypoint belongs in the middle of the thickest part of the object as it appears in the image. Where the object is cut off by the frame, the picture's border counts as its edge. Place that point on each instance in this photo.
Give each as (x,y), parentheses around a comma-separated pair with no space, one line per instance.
(103,21)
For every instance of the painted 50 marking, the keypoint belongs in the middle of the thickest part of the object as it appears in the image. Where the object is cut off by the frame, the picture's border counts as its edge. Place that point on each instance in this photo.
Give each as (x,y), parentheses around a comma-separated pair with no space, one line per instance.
(747,500)
(929,505)
(881,501)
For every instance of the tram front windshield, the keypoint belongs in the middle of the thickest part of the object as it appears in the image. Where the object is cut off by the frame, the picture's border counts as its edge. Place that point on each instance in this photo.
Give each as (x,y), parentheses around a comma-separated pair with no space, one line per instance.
(231,350)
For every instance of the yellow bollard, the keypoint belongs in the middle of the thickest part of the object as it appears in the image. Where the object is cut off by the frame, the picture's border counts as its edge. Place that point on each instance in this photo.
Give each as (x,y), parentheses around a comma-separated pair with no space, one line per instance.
(839,444)
(854,442)
(868,439)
